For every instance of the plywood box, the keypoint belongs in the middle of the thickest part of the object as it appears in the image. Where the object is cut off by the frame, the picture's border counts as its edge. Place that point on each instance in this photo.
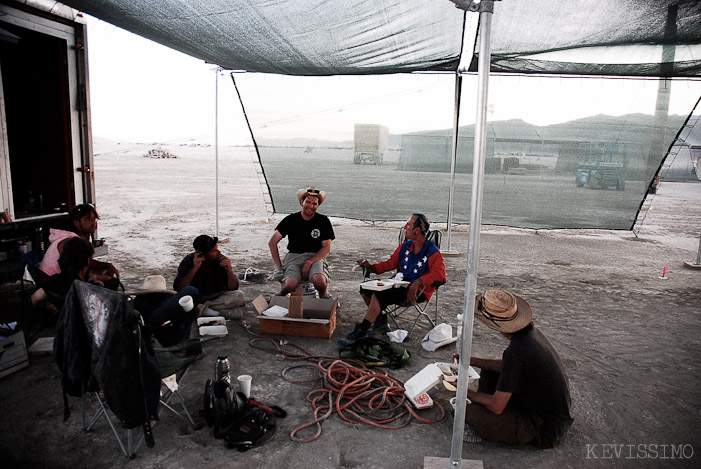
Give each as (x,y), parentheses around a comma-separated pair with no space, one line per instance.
(318,318)
(13,354)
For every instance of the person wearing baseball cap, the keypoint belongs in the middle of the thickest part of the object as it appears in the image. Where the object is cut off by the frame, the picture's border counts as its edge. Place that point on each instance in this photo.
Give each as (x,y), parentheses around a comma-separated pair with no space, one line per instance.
(523,397)
(208,270)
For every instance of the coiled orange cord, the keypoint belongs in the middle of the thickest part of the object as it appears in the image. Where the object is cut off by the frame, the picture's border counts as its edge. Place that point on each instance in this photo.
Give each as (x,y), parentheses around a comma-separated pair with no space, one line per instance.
(350,389)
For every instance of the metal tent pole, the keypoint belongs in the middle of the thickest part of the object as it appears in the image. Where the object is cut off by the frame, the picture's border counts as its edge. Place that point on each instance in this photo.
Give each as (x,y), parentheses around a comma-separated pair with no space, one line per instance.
(216,152)
(486,11)
(697,264)
(456,119)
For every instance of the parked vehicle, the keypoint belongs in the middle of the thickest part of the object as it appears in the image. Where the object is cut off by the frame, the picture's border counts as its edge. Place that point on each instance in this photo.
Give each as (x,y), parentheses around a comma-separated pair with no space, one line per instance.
(370,143)
(602,168)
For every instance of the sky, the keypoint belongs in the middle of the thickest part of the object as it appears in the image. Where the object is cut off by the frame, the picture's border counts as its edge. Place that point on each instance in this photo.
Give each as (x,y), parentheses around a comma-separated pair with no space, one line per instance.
(144,92)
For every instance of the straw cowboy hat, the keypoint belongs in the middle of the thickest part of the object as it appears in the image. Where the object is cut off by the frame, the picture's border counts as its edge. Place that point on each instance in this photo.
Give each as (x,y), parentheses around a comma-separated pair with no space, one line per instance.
(502,311)
(152,284)
(311,191)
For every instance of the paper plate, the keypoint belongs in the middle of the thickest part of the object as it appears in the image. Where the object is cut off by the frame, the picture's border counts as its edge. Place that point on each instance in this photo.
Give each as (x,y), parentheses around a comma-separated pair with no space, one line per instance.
(275,311)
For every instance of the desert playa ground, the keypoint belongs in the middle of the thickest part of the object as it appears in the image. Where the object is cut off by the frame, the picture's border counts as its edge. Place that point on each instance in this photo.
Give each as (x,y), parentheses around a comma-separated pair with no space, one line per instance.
(629,340)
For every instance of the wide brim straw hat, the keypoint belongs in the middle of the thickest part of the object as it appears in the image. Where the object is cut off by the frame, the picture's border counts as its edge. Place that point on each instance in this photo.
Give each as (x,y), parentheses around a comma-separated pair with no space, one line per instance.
(502,311)
(313,191)
(152,284)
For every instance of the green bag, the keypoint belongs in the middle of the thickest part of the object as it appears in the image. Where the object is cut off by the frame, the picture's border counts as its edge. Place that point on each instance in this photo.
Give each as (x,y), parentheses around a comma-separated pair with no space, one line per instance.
(376,352)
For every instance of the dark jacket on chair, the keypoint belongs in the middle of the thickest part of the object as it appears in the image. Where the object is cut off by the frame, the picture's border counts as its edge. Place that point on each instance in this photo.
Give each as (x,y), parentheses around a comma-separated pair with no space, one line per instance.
(97,345)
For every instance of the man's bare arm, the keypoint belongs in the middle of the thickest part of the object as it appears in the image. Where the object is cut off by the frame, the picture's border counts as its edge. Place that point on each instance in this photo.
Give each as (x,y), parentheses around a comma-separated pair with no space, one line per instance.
(494,402)
(274,252)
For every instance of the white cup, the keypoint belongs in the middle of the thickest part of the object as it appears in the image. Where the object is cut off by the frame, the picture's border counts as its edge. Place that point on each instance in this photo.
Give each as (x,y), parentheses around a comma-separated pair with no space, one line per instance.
(186,303)
(454,400)
(245,385)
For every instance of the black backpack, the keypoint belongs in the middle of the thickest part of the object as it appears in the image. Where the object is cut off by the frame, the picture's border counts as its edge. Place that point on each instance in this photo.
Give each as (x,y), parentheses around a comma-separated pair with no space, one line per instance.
(243,423)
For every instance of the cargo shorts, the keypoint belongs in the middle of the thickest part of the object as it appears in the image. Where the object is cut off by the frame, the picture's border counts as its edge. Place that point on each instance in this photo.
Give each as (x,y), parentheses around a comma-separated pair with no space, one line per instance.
(293,263)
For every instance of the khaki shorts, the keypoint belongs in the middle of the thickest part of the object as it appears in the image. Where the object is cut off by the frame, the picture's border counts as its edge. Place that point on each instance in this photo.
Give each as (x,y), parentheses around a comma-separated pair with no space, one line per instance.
(293,263)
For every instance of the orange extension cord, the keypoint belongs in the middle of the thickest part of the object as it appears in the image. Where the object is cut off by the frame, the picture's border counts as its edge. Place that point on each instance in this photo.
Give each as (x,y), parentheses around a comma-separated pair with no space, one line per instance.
(357,393)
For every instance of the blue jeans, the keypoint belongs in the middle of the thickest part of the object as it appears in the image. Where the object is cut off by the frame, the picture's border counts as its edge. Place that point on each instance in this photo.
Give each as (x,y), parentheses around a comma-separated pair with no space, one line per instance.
(164,316)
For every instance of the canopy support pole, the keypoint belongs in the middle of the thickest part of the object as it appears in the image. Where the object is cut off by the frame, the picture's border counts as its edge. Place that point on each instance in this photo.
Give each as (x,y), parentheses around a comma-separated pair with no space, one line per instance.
(216,151)
(485,21)
(456,119)
(697,264)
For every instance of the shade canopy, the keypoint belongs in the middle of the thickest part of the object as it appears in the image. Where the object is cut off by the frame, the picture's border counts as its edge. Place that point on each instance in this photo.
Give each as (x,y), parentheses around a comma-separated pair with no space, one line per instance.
(358,37)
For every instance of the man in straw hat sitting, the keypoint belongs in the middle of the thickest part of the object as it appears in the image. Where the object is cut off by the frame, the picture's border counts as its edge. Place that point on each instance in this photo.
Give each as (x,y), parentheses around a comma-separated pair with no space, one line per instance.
(309,242)
(524,397)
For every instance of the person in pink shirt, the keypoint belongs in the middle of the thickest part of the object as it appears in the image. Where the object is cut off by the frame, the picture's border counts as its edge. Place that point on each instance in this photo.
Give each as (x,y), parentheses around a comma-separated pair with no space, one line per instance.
(84,218)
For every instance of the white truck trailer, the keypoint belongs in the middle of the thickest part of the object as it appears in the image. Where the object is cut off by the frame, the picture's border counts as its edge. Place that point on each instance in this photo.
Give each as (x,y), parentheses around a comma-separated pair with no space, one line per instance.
(370,143)
(46,158)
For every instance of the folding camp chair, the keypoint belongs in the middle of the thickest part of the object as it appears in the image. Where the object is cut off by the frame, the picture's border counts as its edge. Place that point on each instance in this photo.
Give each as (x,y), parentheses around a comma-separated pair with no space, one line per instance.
(174,367)
(102,348)
(173,362)
(173,370)
(421,309)
(174,359)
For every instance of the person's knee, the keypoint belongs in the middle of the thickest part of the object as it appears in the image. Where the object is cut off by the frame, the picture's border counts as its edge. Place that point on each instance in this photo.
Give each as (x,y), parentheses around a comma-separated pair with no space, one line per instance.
(290,284)
(189,290)
(319,281)
(237,297)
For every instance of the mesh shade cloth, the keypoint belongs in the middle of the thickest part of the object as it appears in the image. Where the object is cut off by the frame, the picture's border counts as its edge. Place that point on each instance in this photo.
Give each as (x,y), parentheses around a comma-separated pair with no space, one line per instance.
(317,37)
(531,170)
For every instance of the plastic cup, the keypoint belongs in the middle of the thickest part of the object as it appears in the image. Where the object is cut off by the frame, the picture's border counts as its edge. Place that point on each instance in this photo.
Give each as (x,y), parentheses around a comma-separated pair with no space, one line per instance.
(245,385)
(186,303)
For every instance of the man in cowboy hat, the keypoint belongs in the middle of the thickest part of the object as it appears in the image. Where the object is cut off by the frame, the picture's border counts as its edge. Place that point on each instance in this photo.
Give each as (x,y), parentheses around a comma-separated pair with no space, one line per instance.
(309,242)
(210,271)
(524,396)
(420,263)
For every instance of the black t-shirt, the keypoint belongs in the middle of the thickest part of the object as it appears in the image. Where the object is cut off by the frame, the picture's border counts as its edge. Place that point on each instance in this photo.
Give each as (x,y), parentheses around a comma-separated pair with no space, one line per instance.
(211,277)
(533,372)
(305,235)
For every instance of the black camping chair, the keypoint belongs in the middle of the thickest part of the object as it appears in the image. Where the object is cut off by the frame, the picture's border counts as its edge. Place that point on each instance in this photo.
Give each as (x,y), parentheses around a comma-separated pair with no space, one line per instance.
(414,311)
(174,361)
(37,316)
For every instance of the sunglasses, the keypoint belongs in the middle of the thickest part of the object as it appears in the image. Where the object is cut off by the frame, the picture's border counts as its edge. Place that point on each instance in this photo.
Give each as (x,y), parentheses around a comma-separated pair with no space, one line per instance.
(85,208)
(313,191)
(82,209)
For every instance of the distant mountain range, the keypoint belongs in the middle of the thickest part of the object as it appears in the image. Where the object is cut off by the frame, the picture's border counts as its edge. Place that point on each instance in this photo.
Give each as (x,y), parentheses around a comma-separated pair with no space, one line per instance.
(627,128)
